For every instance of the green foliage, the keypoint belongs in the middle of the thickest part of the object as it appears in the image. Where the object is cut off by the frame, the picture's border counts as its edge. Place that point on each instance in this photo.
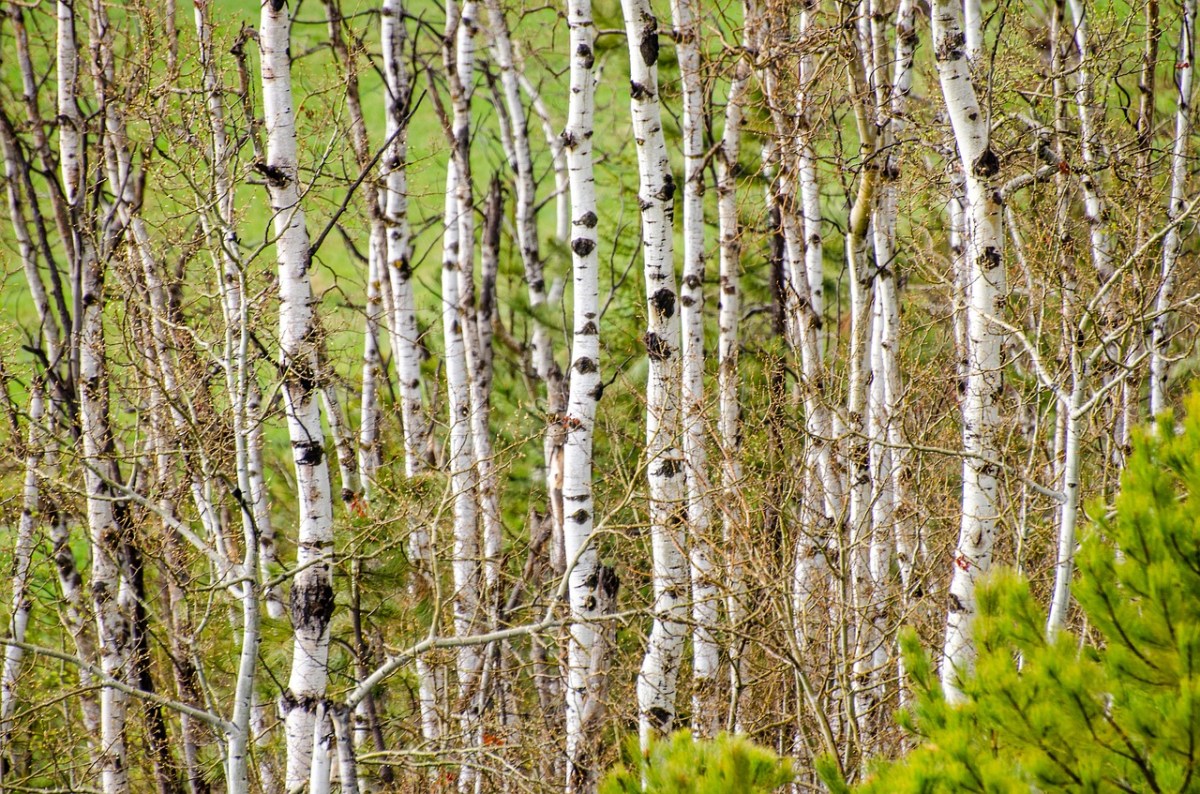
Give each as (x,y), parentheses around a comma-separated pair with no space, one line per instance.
(1113,710)
(680,765)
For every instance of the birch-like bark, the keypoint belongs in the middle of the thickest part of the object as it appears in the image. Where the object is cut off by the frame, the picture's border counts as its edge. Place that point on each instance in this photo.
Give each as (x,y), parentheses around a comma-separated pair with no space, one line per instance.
(268,556)
(864,597)
(312,588)
(735,518)
(1090,148)
(111,593)
(323,752)
(465,560)
(889,297)
(347,762)
(368,432)
(542,349)
(370,413)
(585,698)
(1173,242)
(22,561)
(403,329)
(706,653)
(562,197)
(339,430)
(889,534)
(656,685)
(984,376)
(77,618)
(470,459)
(60,343)
(112,597)
(1068,513)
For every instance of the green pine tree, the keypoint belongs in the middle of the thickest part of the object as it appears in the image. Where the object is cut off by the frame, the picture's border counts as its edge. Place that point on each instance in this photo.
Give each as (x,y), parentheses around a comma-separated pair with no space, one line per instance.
(681,765)
(1113,712)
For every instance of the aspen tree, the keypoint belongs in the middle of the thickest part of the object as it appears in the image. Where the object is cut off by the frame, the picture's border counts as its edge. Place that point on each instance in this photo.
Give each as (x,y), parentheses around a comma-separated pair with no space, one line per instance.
(404,332)
(1172,244)
(588,579)
(470,443)
(541,345)
(656,685)
(706,652)
(312,587)
(734,517)
(984,340)
(22,561)
(112,595)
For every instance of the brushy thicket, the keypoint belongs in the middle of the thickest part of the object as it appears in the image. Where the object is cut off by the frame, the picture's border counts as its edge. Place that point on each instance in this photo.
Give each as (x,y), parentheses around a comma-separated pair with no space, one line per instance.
(1113,707)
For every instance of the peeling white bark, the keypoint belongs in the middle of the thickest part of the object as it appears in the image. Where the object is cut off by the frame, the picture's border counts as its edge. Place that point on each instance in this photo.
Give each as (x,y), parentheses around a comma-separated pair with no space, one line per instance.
(585,701)
(734,515)
(404,333)
(706,652)
(1173,242)
(656,685)
(22,556)
(984,340)
(312,588)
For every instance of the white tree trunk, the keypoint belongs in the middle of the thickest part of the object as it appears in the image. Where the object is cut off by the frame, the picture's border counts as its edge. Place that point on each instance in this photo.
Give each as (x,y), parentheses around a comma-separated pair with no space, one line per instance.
(1090,145)
(888,292)
(984,376)
(706,653)
(112,596)
(312,588)
(734,513)
(542,349)
(1068,511)
(656,685)
(465,561)
(584,702)
(471,470)
(404,331)
(368,432)
(22,556)
(562,197)
(370,413)
(804,271)
(1173,242)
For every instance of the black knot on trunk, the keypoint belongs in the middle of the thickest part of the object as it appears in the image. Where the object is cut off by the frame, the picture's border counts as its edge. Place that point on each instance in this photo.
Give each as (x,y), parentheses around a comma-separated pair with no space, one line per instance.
(668,189)
(638,91)
(607,582)
(987,164)
(589,220)
(990,257)
(656,348)
(275,175)
(585,365)
(950,48)
(670,467)
(661,718)
(663,302)
(309,453)
(582,246)
(402,268)
(580,516)
(587,59)
(312,604)
(648,46)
